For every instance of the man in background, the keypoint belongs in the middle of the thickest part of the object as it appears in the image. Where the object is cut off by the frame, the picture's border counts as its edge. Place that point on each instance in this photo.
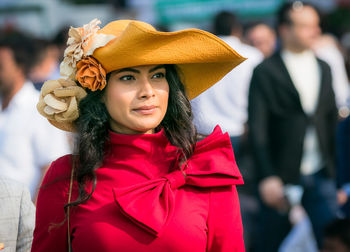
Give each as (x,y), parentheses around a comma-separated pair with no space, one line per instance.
(292,122)
(262,37)
(28,143)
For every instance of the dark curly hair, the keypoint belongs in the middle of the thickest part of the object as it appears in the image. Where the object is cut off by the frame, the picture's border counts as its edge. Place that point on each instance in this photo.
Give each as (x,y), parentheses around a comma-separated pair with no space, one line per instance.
(93,127)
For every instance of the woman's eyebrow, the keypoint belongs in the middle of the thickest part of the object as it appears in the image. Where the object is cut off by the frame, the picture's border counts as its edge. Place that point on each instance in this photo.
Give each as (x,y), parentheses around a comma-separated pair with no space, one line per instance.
(128,70)
(156,68)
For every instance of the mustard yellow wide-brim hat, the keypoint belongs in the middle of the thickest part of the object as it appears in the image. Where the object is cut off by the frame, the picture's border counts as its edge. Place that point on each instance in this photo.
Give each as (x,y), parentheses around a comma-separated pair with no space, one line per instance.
(201,58)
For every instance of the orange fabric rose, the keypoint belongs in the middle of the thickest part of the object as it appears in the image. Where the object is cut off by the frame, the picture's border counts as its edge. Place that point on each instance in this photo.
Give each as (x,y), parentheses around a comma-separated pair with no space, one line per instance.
(91,74)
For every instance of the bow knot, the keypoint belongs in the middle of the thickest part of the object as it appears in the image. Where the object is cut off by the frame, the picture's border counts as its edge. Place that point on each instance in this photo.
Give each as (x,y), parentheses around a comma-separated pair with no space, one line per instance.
(151,204)
(176,179)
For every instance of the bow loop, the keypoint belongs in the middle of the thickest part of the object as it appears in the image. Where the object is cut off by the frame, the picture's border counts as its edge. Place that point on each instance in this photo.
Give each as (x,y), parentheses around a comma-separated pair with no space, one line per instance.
(149,204)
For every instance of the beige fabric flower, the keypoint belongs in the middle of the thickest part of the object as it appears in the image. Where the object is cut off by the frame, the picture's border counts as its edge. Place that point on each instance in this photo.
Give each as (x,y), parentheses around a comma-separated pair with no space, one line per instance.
(59,100)
(82,42)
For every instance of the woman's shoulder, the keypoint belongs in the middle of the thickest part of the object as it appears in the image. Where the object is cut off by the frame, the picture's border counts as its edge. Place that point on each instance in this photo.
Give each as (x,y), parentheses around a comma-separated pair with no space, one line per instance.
(55,186)
(213,162)
(216,139)
(60,169)
(64,160)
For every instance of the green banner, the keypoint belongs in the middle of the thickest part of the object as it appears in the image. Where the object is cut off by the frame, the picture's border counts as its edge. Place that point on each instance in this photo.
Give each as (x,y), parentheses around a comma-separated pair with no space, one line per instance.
(172,11)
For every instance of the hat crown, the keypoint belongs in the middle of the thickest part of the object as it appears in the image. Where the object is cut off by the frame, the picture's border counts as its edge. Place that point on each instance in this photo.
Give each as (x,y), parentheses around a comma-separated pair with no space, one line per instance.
(118,26)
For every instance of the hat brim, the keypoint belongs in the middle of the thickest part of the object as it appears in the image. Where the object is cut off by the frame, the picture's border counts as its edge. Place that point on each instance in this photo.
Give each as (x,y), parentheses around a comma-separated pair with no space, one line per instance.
(202,57)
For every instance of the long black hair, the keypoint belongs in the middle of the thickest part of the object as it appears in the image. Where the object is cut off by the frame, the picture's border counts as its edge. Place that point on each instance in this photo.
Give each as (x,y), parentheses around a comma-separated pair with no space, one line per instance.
(93,127)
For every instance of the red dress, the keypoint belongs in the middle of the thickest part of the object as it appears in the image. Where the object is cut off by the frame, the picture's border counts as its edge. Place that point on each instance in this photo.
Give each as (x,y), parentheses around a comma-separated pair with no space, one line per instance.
(141,203)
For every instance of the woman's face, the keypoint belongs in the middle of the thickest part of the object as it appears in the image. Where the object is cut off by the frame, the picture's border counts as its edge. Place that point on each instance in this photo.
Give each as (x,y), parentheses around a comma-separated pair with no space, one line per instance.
(137,99)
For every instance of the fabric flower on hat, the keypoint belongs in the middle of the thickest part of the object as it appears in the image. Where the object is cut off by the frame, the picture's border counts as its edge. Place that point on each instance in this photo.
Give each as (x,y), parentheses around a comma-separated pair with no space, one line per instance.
(90,74)
(82,42)
(59,100)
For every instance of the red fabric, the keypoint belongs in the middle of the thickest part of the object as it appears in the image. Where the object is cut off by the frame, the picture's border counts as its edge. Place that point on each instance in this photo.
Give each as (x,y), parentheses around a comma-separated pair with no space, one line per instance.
(142,203)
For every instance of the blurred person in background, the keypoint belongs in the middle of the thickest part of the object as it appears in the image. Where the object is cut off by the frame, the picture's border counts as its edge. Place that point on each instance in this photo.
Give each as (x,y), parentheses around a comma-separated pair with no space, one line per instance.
(343,139)
(345,43)
(60,41)
(225,104)
(328,48)
(337,236)
(292,123)
(46,65)
(49,54)
(262,37)
(27,143)
(17,216)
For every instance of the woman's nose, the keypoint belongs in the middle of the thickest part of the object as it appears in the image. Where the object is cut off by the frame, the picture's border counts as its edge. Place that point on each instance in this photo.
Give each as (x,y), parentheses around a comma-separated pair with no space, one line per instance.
(146,88)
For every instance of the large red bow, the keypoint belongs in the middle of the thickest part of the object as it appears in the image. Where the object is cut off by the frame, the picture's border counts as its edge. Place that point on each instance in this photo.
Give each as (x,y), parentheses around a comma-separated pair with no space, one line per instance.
(151,204)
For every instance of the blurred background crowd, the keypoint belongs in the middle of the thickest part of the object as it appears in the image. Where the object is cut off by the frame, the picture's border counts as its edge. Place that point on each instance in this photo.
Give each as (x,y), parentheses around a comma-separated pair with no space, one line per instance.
(272,117)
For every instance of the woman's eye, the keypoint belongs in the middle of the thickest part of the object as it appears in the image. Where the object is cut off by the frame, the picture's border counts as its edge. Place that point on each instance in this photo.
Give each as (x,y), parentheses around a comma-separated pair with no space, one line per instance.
(158,75)
(127,78)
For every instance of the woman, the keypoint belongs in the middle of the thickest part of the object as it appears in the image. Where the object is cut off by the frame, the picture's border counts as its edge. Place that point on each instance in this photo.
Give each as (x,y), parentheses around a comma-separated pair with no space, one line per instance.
(140,180)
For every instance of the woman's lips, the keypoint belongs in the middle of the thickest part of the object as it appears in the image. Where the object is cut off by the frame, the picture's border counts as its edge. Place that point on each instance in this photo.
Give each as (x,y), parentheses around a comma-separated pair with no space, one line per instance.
(146,110)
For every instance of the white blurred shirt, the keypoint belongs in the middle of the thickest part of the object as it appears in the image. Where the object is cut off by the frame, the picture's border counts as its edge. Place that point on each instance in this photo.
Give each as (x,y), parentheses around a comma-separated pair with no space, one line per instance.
(331,54)
(226,103)
(28,142)
(305,72)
